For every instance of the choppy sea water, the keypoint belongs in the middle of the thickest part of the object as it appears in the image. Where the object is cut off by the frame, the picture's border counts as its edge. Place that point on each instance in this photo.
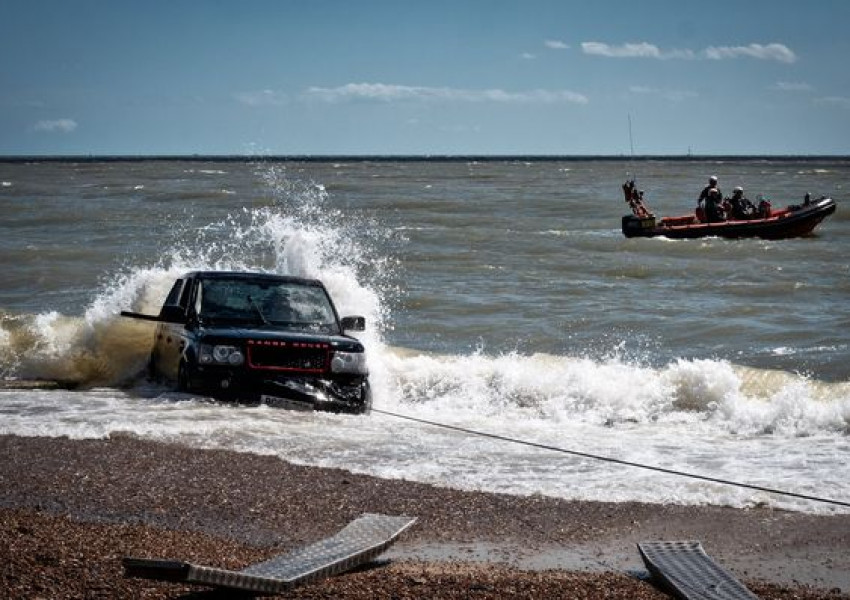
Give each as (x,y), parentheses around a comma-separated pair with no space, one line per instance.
(500,296)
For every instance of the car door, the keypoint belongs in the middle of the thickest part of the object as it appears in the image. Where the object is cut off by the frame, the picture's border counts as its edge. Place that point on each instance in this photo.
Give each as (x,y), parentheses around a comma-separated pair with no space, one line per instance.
(171,337)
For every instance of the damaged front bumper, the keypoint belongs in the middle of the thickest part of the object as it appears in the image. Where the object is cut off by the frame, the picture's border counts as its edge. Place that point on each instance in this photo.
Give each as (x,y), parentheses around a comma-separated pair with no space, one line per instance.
(350,395)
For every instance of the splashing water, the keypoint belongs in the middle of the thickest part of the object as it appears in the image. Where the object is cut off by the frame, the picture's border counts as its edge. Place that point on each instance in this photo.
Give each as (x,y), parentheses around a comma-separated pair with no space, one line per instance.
(295,235)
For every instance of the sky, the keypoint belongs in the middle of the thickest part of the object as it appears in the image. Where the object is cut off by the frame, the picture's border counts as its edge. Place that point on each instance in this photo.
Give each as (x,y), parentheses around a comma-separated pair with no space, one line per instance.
(435,77)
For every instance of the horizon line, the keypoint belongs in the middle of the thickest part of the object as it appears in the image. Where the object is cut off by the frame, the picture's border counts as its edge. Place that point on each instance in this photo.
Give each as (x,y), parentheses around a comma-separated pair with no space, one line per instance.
(20,158)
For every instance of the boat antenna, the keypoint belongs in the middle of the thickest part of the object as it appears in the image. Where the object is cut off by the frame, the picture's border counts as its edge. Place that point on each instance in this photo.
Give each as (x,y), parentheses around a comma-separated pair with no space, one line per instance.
(631,148)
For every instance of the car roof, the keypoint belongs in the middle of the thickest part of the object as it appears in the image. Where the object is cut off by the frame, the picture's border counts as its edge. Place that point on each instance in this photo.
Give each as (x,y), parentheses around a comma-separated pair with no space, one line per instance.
(251,276)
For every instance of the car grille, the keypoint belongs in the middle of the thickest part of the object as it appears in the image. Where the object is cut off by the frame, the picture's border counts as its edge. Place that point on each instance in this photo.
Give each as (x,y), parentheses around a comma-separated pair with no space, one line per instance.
(306,357)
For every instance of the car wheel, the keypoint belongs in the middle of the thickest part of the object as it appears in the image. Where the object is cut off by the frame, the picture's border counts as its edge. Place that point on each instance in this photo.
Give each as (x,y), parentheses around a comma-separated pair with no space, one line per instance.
(184,379)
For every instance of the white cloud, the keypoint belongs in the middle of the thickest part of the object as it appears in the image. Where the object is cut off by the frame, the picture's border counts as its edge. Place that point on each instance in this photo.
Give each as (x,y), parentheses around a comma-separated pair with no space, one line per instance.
(262,98)
(777,52)
(556,45)
(56,126)
(639,50)
(527,56)
(839,101)
(394,93)
(792,86)
(666,94)
(460,128)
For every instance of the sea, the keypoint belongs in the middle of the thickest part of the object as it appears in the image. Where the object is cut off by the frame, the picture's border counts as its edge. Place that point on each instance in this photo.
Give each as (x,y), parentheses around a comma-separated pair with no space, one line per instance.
(501,298)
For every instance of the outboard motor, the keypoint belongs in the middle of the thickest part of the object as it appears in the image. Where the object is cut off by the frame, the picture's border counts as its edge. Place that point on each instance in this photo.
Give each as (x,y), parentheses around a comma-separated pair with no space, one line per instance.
(634,226)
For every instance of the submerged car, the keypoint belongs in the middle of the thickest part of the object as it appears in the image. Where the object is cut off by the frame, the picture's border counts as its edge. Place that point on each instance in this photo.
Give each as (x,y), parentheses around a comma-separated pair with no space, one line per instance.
(260,337)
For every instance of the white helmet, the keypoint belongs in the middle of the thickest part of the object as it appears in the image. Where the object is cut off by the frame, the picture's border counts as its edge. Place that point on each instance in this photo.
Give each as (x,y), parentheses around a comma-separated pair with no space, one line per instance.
(738,188)
(712,179)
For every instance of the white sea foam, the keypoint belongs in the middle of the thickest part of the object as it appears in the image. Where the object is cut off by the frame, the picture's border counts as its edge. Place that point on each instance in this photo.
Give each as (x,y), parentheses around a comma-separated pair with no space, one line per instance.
(595,409)
(610,393)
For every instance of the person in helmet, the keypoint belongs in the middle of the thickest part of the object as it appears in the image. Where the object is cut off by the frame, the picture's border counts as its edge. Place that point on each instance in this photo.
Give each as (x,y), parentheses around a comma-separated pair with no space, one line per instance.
(709,196)
(712,185)
(740,207)
(714,210)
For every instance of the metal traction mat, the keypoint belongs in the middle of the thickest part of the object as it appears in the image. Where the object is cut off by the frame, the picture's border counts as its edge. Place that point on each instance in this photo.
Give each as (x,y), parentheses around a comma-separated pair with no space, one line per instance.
(686,570)
(358,542)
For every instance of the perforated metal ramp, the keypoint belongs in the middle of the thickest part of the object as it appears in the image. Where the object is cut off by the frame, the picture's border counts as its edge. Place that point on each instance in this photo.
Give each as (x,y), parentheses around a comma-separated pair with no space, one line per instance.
(358,542)
(689,573)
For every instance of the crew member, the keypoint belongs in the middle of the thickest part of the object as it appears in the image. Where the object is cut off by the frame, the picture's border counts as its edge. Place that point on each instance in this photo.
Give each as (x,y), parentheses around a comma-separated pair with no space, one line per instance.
(702,201)
(740,207)
(714,212)
(712,185)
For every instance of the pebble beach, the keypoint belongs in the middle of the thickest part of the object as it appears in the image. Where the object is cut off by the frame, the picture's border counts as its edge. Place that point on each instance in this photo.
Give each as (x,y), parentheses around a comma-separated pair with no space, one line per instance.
(70,510)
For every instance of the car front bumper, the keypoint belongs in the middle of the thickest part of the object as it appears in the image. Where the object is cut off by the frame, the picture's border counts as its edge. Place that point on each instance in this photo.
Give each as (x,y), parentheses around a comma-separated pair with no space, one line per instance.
(298,392)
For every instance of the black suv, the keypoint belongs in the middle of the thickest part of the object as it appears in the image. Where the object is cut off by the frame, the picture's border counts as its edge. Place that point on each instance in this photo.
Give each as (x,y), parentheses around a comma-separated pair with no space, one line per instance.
(260,337)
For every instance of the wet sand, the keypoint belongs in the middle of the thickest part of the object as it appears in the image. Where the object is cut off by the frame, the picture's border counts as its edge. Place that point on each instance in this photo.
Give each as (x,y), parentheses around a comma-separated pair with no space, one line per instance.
(70,510)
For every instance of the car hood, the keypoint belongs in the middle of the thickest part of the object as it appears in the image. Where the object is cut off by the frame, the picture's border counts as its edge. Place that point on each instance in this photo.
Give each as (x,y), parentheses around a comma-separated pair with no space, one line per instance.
(236,334)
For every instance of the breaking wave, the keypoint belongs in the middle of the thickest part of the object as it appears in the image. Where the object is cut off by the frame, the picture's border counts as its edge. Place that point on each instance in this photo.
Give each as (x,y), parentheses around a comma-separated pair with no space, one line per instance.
(708,393)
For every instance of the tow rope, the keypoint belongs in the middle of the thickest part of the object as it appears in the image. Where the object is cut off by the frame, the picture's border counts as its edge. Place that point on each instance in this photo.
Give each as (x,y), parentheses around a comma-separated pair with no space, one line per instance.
(627,463)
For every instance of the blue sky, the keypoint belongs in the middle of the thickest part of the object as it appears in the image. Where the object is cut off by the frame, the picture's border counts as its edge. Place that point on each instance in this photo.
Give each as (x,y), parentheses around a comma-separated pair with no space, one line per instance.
(323,77)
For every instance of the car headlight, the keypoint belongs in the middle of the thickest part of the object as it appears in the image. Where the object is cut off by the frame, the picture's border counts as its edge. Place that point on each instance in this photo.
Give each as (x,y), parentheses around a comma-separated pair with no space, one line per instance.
(220,354)
(353,363)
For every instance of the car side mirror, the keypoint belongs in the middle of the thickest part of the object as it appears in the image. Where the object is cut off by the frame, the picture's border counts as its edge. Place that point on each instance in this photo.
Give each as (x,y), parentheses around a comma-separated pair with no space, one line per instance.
(353,323)
(172,314)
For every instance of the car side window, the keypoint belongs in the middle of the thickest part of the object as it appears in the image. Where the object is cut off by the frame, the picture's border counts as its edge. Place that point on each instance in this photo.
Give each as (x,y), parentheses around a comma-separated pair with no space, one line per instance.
(174,295)
(185,295)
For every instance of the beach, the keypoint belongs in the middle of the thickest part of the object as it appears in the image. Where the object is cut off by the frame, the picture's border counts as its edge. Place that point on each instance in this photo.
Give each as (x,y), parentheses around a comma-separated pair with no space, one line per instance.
(70,510)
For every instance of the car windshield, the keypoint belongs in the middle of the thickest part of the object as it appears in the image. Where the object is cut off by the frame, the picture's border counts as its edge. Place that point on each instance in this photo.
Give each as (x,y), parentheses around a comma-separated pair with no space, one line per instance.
(279,303)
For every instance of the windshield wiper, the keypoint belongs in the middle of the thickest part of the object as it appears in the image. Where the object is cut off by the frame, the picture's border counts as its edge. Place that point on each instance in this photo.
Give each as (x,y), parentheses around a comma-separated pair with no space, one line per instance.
(259,312)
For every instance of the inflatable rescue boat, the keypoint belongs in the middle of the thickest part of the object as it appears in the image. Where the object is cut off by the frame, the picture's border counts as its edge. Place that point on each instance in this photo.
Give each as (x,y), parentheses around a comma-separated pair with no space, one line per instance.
(766,222)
